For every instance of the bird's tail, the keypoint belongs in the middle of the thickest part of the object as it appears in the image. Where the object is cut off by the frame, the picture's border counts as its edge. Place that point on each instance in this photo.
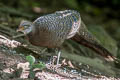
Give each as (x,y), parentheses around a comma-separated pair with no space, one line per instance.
(85,38)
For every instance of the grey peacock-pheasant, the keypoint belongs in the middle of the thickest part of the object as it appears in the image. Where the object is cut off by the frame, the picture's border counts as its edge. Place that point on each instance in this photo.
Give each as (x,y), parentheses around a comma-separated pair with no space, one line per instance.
(53,29)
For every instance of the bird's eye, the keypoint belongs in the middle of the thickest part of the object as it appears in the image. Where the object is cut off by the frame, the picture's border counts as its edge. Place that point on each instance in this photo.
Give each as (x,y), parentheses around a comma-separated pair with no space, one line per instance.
(25,26)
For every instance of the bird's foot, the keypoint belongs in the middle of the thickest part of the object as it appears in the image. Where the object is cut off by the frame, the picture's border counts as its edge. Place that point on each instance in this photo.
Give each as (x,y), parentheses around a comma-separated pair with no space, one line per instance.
(55,59)
(52,64)
(53,67)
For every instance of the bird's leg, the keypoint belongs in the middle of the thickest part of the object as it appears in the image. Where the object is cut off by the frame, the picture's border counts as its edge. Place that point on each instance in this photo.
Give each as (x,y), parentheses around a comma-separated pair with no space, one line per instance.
(54,58)
(58,57)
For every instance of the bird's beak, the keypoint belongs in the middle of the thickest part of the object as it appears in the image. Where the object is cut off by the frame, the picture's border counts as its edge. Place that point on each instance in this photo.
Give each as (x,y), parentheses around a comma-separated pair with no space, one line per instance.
(17,30)
(20,29)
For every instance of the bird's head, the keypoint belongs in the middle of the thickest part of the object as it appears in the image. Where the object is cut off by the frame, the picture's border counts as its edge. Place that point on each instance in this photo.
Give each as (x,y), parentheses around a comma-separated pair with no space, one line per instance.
(25,27)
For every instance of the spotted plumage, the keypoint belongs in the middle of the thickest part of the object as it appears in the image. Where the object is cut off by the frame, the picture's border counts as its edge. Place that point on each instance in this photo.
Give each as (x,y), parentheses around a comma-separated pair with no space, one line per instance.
(51,30)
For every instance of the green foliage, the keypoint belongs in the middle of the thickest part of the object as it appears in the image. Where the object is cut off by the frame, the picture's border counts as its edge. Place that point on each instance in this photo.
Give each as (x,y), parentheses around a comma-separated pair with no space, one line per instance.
(72,3)
(33,65)
(30,59)
(40,65)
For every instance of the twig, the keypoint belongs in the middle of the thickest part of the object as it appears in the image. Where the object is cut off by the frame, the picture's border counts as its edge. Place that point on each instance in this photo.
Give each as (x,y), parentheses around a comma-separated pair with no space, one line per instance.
(20,35)
(9,43)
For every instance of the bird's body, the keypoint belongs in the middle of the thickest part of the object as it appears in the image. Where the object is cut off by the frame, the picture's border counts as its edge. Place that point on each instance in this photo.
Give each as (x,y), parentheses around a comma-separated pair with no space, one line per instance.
(51,30)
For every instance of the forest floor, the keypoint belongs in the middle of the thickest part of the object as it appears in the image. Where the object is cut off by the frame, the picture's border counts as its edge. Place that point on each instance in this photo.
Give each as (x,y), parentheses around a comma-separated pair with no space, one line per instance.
(11,64)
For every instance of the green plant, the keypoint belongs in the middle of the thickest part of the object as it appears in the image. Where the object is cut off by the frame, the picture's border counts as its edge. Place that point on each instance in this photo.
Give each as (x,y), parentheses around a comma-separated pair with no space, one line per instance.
(33,65)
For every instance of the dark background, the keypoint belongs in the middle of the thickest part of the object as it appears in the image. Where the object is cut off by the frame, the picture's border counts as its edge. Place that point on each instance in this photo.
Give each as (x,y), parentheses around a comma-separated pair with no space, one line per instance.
(102,18)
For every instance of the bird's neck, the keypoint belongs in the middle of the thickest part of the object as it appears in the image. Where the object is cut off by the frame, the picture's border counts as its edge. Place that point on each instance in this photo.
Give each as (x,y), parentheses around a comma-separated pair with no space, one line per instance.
(28,31)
